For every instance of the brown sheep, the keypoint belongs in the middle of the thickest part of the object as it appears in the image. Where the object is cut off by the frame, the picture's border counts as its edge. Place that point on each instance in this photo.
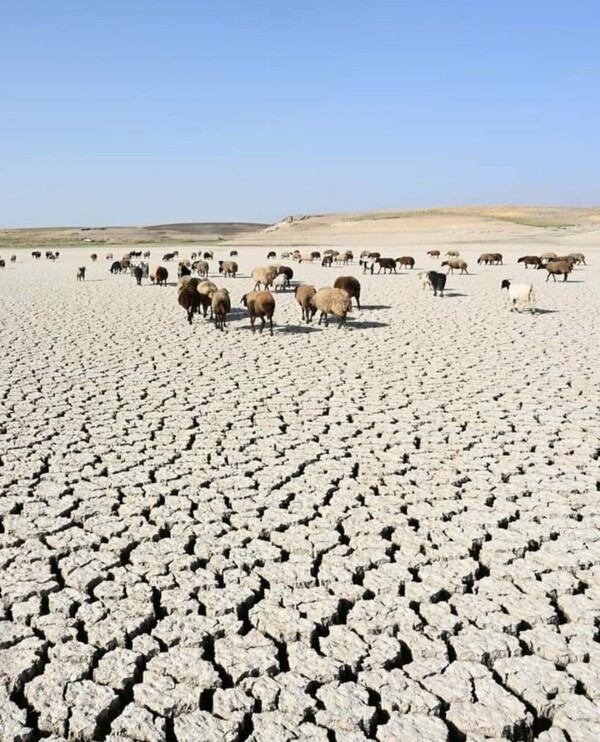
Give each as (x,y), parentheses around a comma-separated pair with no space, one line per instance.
(228,268)
(455,264)
(81,274)
(220,305)
(406,260)
(260,304)
(433,253)
(485,257)
(561,268)
(578,257)
(94,257)
(530,260)
(189,299)
(350,285)
(304,295)
(13,258)
(160,276)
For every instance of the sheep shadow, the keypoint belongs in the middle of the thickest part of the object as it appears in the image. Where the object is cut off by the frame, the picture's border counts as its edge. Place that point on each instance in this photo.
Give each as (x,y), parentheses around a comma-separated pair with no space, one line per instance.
(452,294)
(356,324)
(376,306)
(545,311)
(298,329)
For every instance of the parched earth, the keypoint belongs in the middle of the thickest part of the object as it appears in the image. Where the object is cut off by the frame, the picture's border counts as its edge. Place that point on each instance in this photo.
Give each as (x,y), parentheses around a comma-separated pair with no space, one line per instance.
(386,532)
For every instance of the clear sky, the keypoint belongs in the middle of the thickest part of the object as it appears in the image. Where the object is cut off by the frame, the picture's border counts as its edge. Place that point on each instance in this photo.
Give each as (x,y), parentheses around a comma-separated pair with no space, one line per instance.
(153,111)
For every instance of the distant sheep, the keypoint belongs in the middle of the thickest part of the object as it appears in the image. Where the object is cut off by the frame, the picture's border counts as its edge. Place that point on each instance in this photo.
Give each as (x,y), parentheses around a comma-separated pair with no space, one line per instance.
(138,274)
(304,295)
(13,258)
(264,277)
(287,272)
(530,260)
(437,282)
(228,268)
(2,263)
(280,282)
(221,306)
(159,275)
(260,304)
(452,254)
(578,257)
(433,253)
(520,295)
(187,281)
(558,268)
(327,261)
(350,285)
(81,273)
(116,267)
(332,301)
(94,257)
(201,268)
(208,255)
(368,264)
(206,289)
(547,257)
(270,255)
(406,260)
(233,253)
(386,264)
(455,264)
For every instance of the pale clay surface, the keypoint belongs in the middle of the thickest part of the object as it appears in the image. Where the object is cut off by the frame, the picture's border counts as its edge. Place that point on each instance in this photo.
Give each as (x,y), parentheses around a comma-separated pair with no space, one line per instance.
(388,532)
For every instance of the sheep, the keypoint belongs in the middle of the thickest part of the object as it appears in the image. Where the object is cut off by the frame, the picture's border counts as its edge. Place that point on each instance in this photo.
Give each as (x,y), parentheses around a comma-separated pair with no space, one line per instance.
(329,251)
(168,256)
(530,260)
(387,264)
(228,268)
(159,275)
(81,273)
(425,280)
(263,276)
(115,267)
(36,254)
(260,304)
(350,285)
(368,264)
(146,254)
(193,256)
(94,257)
(548,257)
(316,255)
(564,259)
(220,306)
(138,273)
(189,299)
(125,264)
(578,257)
(304,295)
(183,270)
(187,281)
(296,255)
(343,258)
(332,301)
(233,253)
(406,260)
(519,294)
(437,281)
(285,256)
(485,257)
(109,256)
(201,268)
(497,258)
(327,261)
(206,289)
(272,254)
(13,258)
(561,268)
(2,263)
(280,282)
(455,264)
(306,257)
(286,271)
(208,255)
(433,253)
(452,254)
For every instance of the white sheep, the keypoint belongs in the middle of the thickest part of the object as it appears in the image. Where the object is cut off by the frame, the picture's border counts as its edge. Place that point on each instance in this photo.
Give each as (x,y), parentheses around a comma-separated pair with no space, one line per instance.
(280,282)
(425,280)
(520,295)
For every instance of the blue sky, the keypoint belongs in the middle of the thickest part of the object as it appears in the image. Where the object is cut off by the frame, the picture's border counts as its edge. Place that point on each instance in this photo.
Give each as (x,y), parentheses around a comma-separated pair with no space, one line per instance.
(148,111)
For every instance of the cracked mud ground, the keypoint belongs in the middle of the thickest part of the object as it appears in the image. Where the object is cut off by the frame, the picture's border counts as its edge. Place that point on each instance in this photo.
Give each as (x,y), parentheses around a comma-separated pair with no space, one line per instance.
(388,532)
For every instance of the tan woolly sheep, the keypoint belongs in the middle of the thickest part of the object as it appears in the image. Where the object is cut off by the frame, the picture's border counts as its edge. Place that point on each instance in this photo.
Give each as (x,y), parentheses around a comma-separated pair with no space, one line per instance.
(332,301)
(220,305)
(263,276)
(304,295)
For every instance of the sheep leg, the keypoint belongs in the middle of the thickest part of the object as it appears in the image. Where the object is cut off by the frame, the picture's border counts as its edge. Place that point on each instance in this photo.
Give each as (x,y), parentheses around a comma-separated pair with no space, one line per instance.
(252,321)
(271,325)
(262,324)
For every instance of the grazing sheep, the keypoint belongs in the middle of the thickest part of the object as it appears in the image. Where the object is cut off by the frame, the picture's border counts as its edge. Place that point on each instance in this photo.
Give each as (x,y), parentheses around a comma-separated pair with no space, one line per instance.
(485,257)
(578,257)
(138,274)
(316,255)
(109,256)
(36,254)
(343,258)
(94,257)
(530,260)
(193,256)
(387,264)
(368,265)
(332,301)
(350,285)
(228,268)
(271,255)
(329,251)
(327,261)
(183,270)
(305,258)
(2,263)
(159,275)
(557,268)
(146,254)
(285,256)
(116,267)
(189,299)
(13,258)
(233,253)
(433,253)
(168,256)
(497,258)
(260,304)
(287,272)
(437,281)
(125,264)
(548,257)
(452,254)
(304,295)
(208,255)
(296,255)
(519,294)
(220,306)
(406,260)
(455,264)
(264,276)
(81,273)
